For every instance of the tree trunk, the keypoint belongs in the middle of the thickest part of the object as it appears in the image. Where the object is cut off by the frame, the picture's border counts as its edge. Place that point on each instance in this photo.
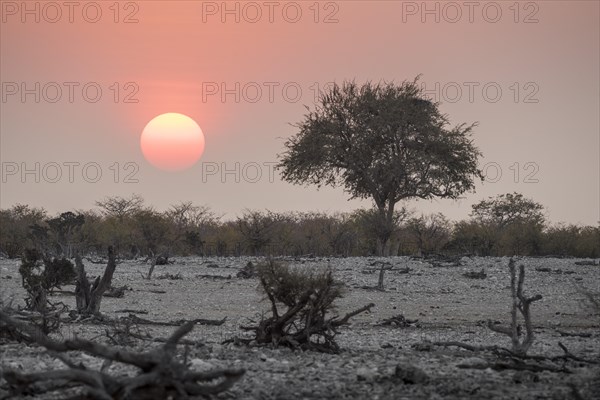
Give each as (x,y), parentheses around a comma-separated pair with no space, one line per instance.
(385,229)
(88,299)
(381,277)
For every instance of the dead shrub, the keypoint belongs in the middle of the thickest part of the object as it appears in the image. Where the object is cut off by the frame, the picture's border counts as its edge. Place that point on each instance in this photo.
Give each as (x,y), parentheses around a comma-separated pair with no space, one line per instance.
(307,297)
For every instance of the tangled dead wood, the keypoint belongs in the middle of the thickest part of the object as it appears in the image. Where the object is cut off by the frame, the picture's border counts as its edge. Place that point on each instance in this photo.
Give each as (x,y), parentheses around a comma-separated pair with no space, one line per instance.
(309,297)
(160,374)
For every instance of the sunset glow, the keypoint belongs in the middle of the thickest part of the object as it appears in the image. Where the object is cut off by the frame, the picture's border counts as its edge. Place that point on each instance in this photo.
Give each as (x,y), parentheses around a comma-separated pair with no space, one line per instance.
(172,142)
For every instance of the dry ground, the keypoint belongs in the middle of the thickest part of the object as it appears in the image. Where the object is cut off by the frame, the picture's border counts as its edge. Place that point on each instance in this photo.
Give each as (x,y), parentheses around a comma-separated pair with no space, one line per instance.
(448,305)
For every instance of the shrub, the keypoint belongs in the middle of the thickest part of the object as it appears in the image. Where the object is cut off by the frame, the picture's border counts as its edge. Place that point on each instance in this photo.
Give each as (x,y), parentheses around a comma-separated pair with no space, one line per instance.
(41,275)
(308,296)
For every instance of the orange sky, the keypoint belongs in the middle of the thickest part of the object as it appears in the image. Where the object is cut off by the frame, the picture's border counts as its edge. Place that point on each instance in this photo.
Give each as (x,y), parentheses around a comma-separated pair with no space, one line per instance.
(178,50)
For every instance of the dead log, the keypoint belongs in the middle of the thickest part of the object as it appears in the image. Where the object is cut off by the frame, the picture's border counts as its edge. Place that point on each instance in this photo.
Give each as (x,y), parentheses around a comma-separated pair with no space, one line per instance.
(160,374)
(504,352)
(583,335)
(475,275)
(142,321)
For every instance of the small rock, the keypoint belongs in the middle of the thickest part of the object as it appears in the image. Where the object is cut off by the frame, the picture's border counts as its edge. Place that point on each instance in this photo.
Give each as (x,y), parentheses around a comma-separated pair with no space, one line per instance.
(410,375)
(525,377)
(263,357)
(423,346)
(366,374)
(15,365)
(473,362)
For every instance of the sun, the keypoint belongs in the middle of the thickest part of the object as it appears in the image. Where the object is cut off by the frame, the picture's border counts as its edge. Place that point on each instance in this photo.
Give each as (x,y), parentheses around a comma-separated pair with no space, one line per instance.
(172,142)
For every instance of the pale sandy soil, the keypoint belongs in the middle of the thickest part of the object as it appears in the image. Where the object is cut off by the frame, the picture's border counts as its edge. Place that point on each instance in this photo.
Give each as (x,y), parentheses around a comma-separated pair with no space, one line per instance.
(448,306)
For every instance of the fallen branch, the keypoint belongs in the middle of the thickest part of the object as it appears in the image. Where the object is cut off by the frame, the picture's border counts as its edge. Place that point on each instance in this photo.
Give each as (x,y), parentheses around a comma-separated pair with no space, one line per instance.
(583,335)
(570,355)
(503,351)
(127,310)
(397,321)
(522,366)
(186,342)
(160,375)
(200,321)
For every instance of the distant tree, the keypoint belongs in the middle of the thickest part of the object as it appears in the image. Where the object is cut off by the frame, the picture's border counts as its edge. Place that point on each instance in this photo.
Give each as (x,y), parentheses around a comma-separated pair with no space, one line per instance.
(507,209)
(370,228)
(572,240)
(516,220)
(429,232)
(588,244)
(121,207)
(339,234)
(385,142)
(473,238)
(16,226)
(191,225)
(65,227)
(118,228)
(257,229)
(89,235)
(153,234)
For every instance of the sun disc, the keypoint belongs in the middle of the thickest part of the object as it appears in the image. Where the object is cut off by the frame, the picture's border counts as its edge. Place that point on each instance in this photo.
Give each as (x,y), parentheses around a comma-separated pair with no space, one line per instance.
(172,142)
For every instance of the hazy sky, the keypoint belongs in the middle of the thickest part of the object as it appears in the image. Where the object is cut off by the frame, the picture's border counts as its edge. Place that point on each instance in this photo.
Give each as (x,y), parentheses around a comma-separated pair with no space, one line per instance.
(81,80)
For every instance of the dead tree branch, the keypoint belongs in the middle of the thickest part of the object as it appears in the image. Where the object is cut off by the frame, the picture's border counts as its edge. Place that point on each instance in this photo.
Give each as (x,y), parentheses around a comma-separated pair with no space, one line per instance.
(160,375)
(520,304)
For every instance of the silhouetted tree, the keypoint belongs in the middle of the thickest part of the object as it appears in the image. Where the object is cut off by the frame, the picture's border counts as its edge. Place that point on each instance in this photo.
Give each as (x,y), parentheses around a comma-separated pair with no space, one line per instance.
(385,142)
(517,222)
(429,232)
(257,228)
(65,227)
(16,228)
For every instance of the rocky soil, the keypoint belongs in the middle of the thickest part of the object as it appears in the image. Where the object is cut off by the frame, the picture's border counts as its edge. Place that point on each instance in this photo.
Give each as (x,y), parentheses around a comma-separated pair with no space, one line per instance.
(377,362)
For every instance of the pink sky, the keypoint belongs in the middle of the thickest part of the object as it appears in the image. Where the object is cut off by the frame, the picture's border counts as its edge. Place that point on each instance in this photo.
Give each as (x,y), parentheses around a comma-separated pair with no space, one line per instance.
(542,133)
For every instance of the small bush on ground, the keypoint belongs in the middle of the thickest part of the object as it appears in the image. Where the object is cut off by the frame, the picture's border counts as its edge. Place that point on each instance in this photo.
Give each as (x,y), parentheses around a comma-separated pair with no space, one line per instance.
(301,300)
(41,275)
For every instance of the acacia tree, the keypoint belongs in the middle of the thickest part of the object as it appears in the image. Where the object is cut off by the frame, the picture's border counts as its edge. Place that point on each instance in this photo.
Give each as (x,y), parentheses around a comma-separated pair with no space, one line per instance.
(516,221)
(121,207)
(506,209)
(258,228)
(191,225)
(384,141)
(18,228)
(118,224)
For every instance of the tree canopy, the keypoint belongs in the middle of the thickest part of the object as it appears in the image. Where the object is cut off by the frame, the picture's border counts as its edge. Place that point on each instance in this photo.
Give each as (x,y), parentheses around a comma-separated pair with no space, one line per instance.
(509,208)
(383,141)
